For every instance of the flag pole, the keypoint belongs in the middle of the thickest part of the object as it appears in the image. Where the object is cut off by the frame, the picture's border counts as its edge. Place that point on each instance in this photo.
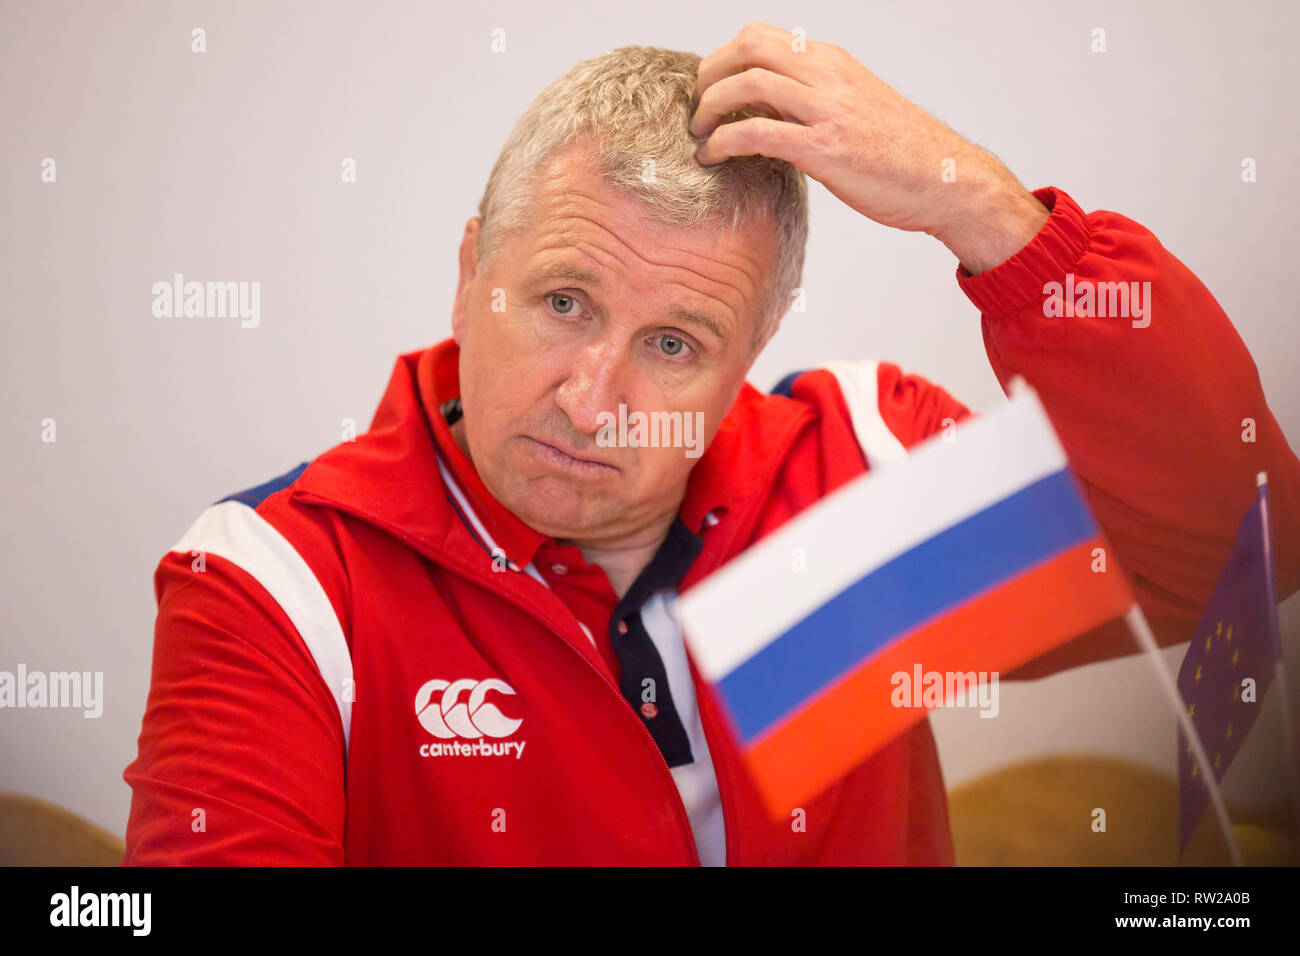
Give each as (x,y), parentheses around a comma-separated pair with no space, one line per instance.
(1137,623)
(1288,734)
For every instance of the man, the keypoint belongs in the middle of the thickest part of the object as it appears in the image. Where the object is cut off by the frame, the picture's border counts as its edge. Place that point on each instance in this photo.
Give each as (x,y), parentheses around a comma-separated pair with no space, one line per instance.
(453,640)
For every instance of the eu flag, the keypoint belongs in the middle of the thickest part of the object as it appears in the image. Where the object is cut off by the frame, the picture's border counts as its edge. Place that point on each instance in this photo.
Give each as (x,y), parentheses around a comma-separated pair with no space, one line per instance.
(1236,643)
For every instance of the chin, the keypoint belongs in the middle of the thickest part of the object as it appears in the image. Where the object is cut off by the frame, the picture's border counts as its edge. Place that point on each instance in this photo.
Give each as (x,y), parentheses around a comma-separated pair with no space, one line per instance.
(554,506)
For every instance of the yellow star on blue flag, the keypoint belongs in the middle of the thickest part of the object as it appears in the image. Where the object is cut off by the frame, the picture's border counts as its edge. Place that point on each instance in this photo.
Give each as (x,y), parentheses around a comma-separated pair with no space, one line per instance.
(1230,663)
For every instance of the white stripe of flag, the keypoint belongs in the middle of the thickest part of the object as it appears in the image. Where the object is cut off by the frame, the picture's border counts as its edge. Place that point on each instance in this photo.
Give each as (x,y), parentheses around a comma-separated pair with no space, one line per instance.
(756,597)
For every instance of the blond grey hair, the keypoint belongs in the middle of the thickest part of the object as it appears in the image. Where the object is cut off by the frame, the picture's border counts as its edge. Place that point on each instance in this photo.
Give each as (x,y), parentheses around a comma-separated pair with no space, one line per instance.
(633,105)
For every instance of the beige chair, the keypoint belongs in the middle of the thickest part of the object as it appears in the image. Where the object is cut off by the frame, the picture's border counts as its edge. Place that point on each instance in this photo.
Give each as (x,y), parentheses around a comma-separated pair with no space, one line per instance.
(1031,814)
(36,833)
(1040,813)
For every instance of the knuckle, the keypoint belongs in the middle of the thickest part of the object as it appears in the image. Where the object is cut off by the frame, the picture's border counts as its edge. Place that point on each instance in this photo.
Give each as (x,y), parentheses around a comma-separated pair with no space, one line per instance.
(795,136)
(833,134)
(750,39)
(752,80)
(739,140)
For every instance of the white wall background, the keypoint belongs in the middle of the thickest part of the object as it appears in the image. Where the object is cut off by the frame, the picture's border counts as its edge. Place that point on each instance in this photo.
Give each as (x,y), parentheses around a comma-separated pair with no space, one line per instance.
(226,165)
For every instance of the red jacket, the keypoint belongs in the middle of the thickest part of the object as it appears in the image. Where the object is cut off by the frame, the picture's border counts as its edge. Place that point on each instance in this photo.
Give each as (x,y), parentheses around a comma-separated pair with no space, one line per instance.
(243,754)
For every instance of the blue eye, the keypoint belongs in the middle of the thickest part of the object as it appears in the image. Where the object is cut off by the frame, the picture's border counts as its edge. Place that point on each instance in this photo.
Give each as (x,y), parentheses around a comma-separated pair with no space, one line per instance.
(561,297)
(671,345)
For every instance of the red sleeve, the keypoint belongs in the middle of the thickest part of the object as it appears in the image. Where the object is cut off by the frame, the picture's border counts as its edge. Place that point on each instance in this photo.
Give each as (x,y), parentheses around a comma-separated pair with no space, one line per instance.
(238,725)
(1152,418)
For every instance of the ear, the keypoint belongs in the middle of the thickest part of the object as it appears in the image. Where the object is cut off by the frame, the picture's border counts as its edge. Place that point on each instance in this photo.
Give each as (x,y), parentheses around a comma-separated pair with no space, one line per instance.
(468,272)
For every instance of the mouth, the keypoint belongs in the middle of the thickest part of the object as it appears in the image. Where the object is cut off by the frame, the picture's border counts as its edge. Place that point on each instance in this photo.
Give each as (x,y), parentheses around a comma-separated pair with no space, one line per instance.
(569,461)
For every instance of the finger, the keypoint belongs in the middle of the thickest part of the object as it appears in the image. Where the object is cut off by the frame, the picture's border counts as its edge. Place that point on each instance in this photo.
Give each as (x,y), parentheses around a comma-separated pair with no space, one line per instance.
(759,45)
(757,87)
(755,137)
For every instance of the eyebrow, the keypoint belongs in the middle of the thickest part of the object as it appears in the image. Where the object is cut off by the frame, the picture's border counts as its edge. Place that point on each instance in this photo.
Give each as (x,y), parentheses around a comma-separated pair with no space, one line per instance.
(691,316)
(574,274)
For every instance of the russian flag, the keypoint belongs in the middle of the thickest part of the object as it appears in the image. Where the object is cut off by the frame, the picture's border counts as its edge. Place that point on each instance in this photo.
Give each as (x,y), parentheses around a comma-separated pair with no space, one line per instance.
(974,554)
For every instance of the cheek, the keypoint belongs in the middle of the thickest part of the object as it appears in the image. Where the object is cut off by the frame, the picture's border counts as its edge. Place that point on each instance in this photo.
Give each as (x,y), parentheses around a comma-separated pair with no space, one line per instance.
(499,360)
(663,469)
(507,390)
(518,348)
(707,403)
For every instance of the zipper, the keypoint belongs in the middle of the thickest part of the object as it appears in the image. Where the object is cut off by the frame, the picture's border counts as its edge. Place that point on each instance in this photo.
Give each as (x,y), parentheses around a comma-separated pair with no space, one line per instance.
(682,818)
(491,585)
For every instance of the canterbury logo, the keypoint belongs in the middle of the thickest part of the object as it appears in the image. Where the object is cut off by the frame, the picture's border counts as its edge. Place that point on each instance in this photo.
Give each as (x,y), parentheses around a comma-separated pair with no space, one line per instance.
(443,713)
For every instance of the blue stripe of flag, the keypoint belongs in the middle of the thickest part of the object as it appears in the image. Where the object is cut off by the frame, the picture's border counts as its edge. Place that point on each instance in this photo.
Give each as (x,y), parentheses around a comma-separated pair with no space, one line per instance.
(1017,533)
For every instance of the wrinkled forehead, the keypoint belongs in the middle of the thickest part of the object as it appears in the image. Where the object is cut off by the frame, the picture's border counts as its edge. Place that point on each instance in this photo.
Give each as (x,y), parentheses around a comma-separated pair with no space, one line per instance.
(579,219)
(576,168)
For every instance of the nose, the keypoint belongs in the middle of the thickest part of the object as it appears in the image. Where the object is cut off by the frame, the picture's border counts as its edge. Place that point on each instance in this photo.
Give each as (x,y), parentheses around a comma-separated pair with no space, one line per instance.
(593,385)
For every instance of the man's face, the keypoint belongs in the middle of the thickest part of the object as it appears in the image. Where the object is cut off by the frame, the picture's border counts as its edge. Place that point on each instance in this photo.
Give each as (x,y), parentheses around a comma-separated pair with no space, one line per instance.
(591,308)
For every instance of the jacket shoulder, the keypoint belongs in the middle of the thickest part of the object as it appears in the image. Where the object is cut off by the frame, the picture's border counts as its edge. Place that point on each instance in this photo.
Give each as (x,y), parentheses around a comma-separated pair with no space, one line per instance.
(274,556)
(888,410)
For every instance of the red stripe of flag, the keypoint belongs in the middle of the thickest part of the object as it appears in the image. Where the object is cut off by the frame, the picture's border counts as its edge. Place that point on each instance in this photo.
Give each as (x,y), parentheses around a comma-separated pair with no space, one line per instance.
(1001,629)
